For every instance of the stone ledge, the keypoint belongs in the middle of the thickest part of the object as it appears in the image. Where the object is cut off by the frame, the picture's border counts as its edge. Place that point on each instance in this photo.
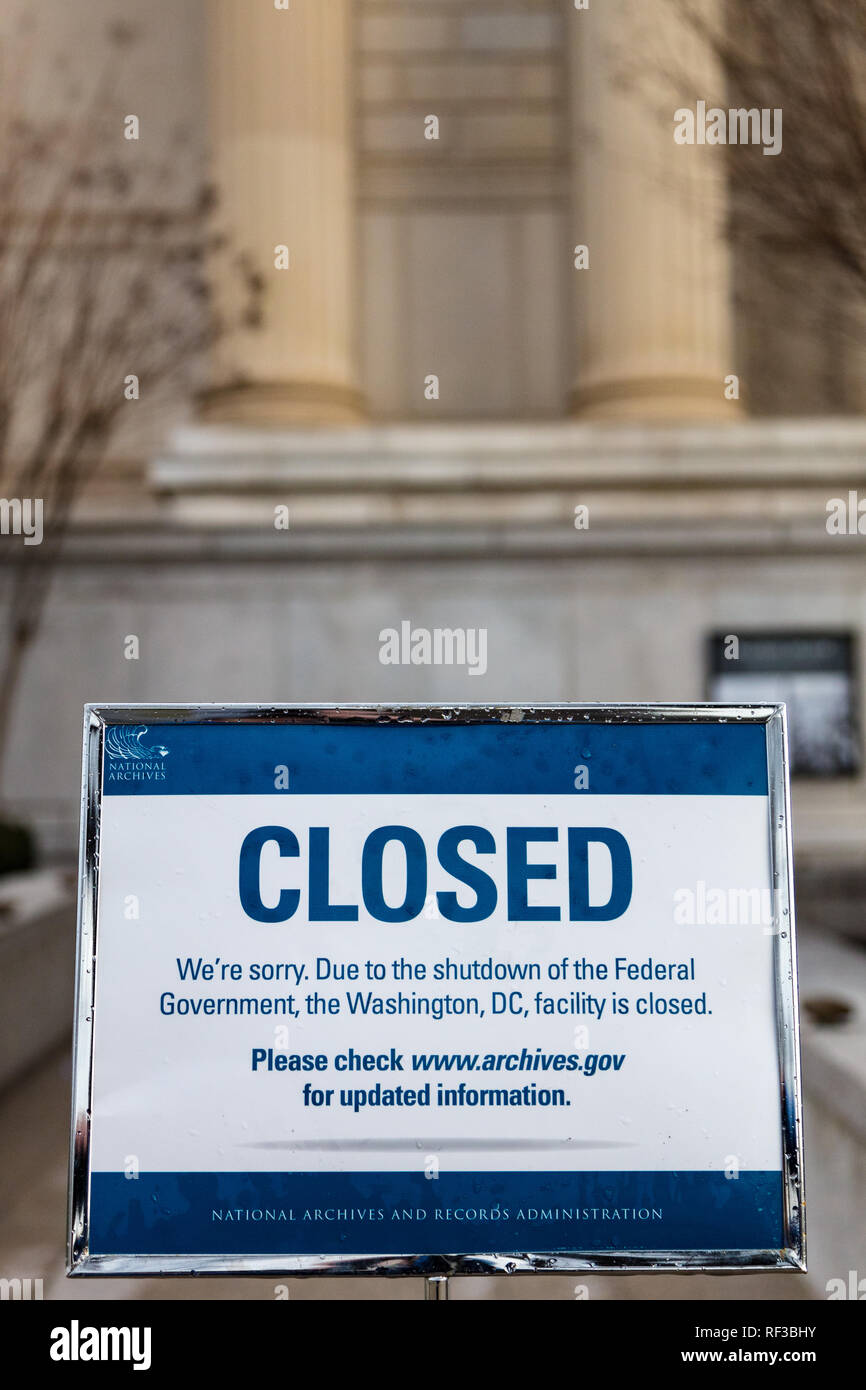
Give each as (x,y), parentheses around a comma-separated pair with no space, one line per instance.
(511,488)
(504,457)
(37,967)
(240,533)
(834,1055)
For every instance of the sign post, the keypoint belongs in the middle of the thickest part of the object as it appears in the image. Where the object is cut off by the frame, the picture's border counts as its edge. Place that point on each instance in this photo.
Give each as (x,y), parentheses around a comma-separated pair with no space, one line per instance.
(435,990)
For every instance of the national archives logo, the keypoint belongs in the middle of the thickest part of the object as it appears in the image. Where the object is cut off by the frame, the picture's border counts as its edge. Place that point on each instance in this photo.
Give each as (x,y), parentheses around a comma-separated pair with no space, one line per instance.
(130,759)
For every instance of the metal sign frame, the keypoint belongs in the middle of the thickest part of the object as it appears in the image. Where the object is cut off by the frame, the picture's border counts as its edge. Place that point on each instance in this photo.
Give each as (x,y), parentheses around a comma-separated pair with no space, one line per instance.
(790,1255)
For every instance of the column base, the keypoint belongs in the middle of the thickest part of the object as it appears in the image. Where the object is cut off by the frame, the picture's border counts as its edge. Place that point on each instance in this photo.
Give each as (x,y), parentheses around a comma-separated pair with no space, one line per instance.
(657,400)
(283,405)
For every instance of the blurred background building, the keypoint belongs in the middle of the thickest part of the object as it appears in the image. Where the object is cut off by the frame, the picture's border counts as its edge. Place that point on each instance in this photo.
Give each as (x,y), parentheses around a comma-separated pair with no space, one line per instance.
(515,363)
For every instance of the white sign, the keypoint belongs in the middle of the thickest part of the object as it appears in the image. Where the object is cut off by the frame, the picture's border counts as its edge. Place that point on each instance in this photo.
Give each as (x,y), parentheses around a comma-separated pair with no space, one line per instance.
(383,988)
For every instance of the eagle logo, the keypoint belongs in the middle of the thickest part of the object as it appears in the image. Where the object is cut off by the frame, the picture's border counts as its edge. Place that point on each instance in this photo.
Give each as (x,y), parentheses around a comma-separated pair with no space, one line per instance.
(124,742)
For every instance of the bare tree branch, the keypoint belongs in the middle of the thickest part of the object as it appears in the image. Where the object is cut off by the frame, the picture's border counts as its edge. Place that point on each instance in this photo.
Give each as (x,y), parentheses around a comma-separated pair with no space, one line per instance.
(103,275)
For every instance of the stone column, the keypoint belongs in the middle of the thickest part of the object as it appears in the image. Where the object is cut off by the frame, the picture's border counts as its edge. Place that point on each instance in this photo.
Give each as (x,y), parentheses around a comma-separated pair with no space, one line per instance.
(653,309)
(282,129)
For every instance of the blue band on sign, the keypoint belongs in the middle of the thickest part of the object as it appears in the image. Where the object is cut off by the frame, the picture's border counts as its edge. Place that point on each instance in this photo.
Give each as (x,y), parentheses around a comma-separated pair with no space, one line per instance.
(458,1213)
(666,759)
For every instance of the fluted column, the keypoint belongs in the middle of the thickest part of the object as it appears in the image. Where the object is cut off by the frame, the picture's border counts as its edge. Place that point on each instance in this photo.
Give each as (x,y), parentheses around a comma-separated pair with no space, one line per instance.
(653,308)
(281,104)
